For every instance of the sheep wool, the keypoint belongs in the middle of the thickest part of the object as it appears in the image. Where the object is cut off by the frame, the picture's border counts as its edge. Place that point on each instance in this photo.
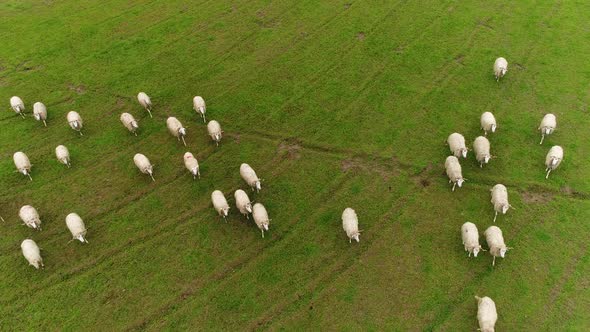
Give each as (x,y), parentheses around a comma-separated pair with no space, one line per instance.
(32,253)
(488,122)
(481,147)
(350,224)
(243,202)
(470,238)
(486,314)
(260,217)
(30,217)
(220,203)
(250,177)
(17,105)
(40,112)
(129,122)
(76,226)
(22,163)
(191,163)
(144,165)
(214,129)
(145,101)
(456,143)
(75,121)
(500,199)
(547,126)
(63,155)
(199,106)
(453,169)
(176,129)
(495,242)
(500,68)
(553,159)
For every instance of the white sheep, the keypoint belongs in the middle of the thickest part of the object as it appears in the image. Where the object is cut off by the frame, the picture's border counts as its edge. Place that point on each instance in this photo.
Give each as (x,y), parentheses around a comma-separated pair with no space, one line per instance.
(22,163)
(350,224)
(261,217)
(220,203)
(243,202)
(481,148)
(144,165)
(145,101)
(500,199)
(456,143)
(30,217)
(199,106)
(75,121)
(76,226)
(250,177)
(40,112)
(470,237)
(547,126)
(176,129)
(191,163)
(495,242)
(214,129)
(553,159)
(17,105)
(488,122)
(129,122)
(63,155)
(486,314)
(32,253)
(500,68)
(453,169)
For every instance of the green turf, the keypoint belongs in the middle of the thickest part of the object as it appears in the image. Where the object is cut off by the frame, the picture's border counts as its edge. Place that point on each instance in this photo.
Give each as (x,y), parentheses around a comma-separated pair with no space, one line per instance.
(335,104)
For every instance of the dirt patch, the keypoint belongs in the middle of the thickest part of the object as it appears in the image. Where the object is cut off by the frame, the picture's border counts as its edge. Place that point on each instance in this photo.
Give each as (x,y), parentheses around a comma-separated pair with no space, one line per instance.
(79,89)
(422,178)
(459,59)
(347,5)
(290,149)
(237,138)
(536,197)
(120,102)
(357,164)
(360,36)
(519,66)
(569,191)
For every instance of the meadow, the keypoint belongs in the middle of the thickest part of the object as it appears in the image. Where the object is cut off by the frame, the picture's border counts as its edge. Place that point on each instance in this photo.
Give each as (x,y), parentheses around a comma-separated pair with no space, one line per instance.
(335,104)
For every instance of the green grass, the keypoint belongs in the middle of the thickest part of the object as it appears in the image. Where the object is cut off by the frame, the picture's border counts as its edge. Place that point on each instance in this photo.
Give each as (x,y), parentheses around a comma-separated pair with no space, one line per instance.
(335,104)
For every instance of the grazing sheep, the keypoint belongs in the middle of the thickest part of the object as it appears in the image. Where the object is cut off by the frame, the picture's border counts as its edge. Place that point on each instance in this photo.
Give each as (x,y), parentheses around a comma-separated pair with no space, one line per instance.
(261,217)
(199,106)
(76,226)
(488,123)
(456,143)
(129,122)
(63,155)
(547,126)
(453,169)
(75,121)
(214,129)
(553,159)
(22,163)
(40,112)
(176,129)
(500,68)
(470,238)
(243,202)
(495,242)
(32,253)
(17,105)
(250,177)
(145,101)
(220,203)
(144,165)
(486,314)
(481,147)
(191,163)
(500,199)
(30,217)
(350,224)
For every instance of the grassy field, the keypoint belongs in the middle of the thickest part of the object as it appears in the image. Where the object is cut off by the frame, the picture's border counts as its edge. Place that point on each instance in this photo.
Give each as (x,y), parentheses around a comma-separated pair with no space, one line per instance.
(335,104)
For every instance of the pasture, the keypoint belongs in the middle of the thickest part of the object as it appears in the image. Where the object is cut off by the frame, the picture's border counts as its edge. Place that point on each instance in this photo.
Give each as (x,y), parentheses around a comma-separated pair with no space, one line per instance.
(334,103)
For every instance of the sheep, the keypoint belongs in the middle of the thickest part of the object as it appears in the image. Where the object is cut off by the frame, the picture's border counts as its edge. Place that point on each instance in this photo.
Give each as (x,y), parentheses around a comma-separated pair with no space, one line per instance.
(350,224)
(199,106)
(495,242)
(481,147)
(215,131)
(220,204)
(129,122)
(176,128)
(553,159)
(453,169)
(486,314)
(191,163)
(76,226)
(456,143)
(63,155)
(547,126)
(470,238)
(32,253)
(30,217)
(250,177)
(17,106)
(40,112)
(75,121)
(488,123)
(145,101)
(144,165)
(261,217)
(22,163)
(500,68)
(243,203)
(500,199)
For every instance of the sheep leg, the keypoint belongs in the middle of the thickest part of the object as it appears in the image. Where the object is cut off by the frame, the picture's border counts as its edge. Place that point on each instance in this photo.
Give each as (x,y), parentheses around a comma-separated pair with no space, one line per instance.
(29,175)
(44,123)
(81,133)
(183,142)
(495,216)
(454,183)
(22,115)
(547,176)
(147,109)
(262,233)
(542,138)
(494,261)
(154,180)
